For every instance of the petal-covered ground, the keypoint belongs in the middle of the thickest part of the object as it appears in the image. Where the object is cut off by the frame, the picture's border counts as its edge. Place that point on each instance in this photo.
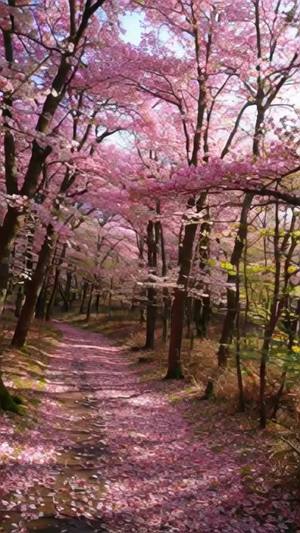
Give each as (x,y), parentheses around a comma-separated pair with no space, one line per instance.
(108,452)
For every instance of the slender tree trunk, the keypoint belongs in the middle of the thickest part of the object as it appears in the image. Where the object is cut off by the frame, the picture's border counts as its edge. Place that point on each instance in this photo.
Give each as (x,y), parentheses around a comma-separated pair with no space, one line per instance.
(67,298)
(40,307)
(19,300)
(7,402)
(10,223)
(177,315)
(203,310)
(188,314)
(150,319)
(177,312)
(50,304)
(270,326)
(8,232)
(83,297)
(164,271)
(151,291)
(277,304)
(54,290)
(33,290)
(166,314)
(97,303)
(238,343)
(110,298)
(229,320)
(89,306)
(201,315)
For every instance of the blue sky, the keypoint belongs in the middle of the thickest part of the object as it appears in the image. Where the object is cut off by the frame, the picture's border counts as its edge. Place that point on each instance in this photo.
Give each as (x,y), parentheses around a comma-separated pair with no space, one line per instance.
(132,24)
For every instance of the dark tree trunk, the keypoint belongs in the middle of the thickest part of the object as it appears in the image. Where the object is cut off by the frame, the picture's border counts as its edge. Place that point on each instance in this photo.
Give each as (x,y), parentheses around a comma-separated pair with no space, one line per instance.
(202,313)
(110,298)
(150,319)
(19,301)
(89,306)
(277,304)
(229,320)
(7,402)
(189,232)
(166,315)
(67,298)
(151,291)
(41,303)
(83,297)
(164,271)
(8,232)
(188,313)
(50,304)
(177,312)
(202,307)
(177,316)
(97,303)
(238,344)
(33,290)
(55,286)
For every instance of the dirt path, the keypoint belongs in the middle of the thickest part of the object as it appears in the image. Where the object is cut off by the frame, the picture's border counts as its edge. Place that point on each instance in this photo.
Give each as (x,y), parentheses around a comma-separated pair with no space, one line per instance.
(116,456)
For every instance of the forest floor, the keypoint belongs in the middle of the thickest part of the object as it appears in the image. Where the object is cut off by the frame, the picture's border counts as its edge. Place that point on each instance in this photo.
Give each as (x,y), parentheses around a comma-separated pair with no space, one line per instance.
(106,446)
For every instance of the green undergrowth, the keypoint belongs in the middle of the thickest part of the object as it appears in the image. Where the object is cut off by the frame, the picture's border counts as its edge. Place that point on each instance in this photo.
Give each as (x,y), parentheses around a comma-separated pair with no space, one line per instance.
(23,370)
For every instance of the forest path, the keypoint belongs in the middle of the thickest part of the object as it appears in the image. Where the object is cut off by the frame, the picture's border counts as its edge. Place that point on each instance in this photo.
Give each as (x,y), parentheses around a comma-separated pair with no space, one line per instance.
(125,459)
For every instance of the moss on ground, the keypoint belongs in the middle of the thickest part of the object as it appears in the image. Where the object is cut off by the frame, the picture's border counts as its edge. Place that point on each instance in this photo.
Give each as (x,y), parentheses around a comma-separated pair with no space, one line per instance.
(23,370)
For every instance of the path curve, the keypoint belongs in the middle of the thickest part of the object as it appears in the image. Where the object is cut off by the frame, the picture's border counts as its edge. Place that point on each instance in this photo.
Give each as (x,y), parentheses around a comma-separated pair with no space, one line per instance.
(135,464)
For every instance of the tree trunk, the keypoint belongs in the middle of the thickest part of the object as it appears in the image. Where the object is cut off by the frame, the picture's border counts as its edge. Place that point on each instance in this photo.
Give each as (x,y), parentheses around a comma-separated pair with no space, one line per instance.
(83,297)
(177,315)
(33,290)
(202,313)
(97,303)
(7,402)
(164,271)
(188,314)
(53,294)
(19,300)
(238,344)
(229,320)
(110,298)
(151,291)
(203,306)
(67,298)
(89,306)
(150,319)
(166,314)
(40,307)
(277,304)
(55,284)
(177,312)
(8,232)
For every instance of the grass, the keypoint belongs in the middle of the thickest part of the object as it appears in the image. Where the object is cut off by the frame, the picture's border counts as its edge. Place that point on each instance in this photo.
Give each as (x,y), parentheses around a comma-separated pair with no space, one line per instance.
(23,369)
